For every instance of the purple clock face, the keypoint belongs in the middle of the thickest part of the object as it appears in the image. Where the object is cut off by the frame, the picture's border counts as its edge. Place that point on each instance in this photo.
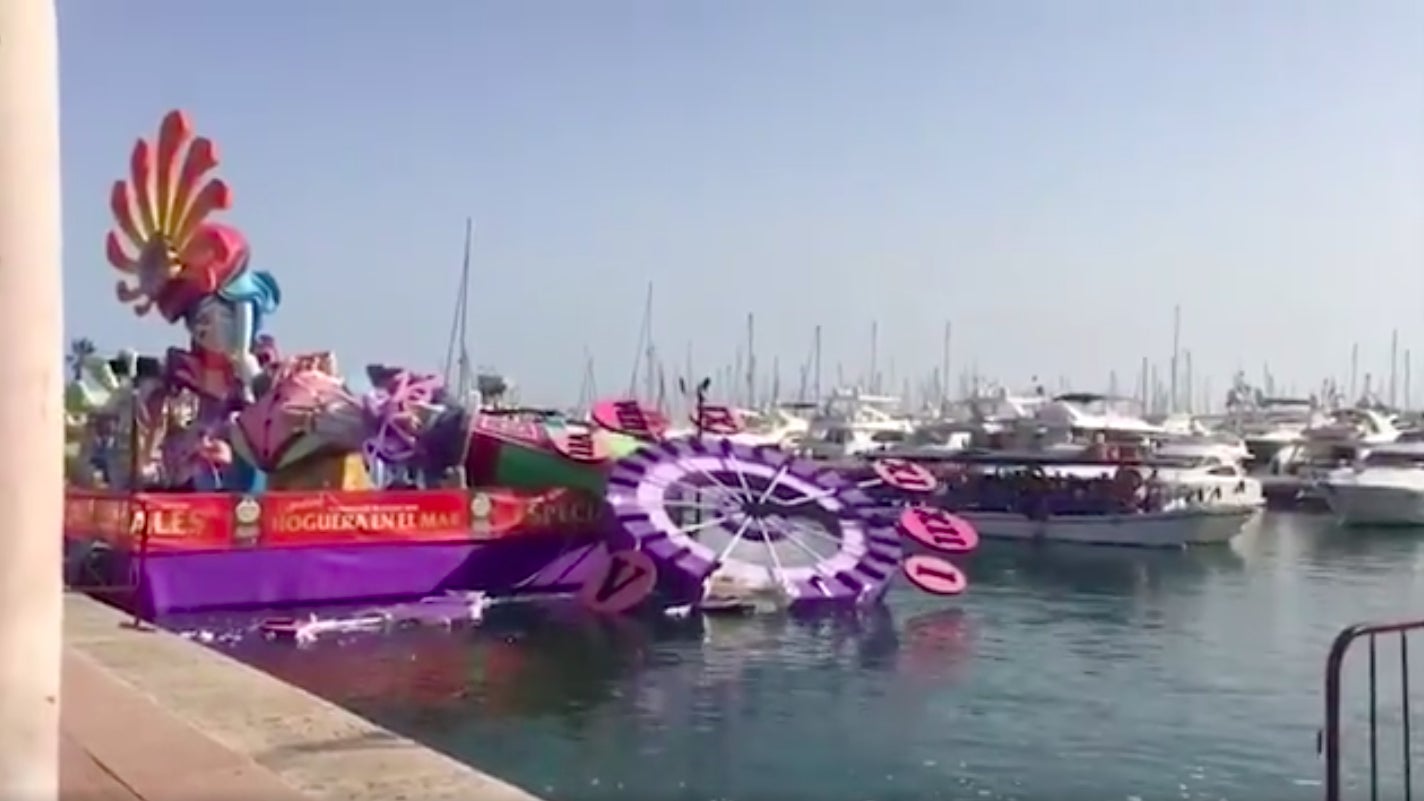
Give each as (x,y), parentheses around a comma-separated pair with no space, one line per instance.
(721,515)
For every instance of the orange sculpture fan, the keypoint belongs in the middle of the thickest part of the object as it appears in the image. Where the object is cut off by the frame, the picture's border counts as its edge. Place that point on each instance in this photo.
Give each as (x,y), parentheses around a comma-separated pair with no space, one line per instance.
(160,237)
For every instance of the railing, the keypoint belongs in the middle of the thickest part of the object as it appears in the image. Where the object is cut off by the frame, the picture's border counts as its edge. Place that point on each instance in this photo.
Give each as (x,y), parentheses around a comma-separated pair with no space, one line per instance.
(1329,740)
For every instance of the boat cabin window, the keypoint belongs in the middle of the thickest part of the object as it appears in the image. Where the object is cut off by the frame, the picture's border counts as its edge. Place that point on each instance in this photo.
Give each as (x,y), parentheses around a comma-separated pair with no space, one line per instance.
(1223,470)
(1321,454)
(926,436)
(838,436)
(888,436)
(1394,459)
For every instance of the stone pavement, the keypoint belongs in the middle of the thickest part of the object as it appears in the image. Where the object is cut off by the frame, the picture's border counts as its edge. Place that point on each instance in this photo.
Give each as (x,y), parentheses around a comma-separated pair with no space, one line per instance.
(82,778)
(150,716)
(116,745)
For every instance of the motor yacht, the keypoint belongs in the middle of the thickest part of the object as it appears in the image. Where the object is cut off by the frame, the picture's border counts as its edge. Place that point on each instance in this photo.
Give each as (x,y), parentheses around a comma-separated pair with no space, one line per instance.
(1210,470)
(1384,487)
(852,423)
(1291,478)
(1048,497)
(1269,424)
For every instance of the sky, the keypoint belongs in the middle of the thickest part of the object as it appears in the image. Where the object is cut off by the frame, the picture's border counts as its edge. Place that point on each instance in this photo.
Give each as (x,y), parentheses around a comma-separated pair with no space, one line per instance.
(1052,177)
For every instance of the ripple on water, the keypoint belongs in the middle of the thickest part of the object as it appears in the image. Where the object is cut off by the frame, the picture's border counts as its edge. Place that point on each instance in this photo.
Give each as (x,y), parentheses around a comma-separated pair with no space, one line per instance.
(1120,674)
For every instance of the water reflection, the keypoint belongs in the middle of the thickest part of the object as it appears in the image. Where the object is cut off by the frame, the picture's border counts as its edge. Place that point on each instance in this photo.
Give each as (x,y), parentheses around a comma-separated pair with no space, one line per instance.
(936,646)
(566,663)
(1094,570)
(1198,672)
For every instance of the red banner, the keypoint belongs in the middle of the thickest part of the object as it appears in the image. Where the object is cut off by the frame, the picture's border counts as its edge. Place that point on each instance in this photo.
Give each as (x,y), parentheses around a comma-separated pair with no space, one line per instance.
(498,512)
(171,521)
(322,518)
(218,521)
(90,515)
(187,521)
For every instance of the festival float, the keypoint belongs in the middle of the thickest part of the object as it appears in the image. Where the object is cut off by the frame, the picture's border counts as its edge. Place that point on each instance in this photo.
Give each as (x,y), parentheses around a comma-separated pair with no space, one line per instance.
(229,475)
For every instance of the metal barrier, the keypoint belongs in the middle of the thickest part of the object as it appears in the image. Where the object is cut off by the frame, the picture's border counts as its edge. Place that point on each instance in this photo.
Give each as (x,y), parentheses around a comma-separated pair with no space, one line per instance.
(1328,740)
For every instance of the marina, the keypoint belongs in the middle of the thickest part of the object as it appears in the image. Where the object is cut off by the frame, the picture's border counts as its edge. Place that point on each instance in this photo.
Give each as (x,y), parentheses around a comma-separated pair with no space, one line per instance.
(1020,403)
(890,594)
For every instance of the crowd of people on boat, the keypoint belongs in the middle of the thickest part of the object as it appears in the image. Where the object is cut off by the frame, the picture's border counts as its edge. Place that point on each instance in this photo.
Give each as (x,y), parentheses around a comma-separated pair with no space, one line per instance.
(1036,493)
(1040,492)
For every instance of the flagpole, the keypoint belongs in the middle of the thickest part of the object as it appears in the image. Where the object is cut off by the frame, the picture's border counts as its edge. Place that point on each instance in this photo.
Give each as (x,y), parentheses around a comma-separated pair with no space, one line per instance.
(31,420)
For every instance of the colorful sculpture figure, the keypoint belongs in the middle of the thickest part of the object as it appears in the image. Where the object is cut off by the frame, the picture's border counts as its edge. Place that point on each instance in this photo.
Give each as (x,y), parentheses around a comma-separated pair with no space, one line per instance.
(192,270)
(87,419)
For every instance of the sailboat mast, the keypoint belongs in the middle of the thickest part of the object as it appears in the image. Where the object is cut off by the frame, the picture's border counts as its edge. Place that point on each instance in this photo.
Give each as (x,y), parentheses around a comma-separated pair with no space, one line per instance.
(1393,368)
(1176,347)
(751,359)
(466,378)
(650,355)
(943,388)
(1187,381)
(644,349)
(589,389)
(459,325)
(816,367)
(1407,380)
(1354,372)
(874,356)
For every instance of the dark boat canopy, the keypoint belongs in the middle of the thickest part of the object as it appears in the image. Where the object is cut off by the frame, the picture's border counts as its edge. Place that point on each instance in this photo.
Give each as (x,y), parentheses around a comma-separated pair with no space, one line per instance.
(1045,458)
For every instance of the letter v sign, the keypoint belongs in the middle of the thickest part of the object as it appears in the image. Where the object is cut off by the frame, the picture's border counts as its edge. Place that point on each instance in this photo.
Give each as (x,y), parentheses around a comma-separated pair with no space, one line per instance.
(620,583)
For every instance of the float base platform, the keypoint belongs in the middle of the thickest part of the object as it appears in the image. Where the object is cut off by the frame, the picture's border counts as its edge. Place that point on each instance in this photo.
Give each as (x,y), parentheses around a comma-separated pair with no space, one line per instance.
(163,553)
(278,578)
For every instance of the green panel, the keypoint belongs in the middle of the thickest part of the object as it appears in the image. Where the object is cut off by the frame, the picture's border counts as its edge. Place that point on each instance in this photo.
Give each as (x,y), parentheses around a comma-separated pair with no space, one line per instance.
(530,468)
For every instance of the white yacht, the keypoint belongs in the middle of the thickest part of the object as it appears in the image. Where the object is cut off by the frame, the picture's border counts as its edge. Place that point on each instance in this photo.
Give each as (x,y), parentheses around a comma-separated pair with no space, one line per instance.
(1059,499)
(935,439)
(853,423)
(1211,472)
(1069,424)
(1267,425)
(1085,413)
(1294,472)
(1385,487)
(783,425)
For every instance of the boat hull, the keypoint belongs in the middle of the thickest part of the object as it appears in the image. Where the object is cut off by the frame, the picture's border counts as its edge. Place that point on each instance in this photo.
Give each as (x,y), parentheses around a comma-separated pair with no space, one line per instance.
(1375,505)
(1173,529)
(280,578)
(1292,494)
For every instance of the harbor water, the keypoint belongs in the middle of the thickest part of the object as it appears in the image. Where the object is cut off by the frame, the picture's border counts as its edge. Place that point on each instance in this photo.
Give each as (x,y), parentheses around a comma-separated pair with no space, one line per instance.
(1064,672)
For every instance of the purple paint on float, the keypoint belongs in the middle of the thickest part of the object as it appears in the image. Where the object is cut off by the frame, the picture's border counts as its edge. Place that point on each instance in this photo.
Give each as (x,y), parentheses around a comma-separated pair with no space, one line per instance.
(276,578)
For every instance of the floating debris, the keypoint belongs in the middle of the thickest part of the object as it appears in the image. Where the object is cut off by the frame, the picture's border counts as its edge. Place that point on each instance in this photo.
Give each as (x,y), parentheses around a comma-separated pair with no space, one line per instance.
(450,610)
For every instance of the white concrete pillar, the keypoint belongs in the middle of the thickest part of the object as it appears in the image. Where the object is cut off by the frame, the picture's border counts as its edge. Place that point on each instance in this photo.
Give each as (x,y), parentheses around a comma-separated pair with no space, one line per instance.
(31,414)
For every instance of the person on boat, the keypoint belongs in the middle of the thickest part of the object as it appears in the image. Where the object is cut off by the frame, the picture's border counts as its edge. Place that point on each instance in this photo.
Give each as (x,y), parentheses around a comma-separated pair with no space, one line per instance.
(1098,449)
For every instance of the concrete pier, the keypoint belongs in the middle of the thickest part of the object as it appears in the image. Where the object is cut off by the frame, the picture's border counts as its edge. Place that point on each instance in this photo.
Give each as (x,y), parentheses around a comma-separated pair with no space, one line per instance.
(149,715)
